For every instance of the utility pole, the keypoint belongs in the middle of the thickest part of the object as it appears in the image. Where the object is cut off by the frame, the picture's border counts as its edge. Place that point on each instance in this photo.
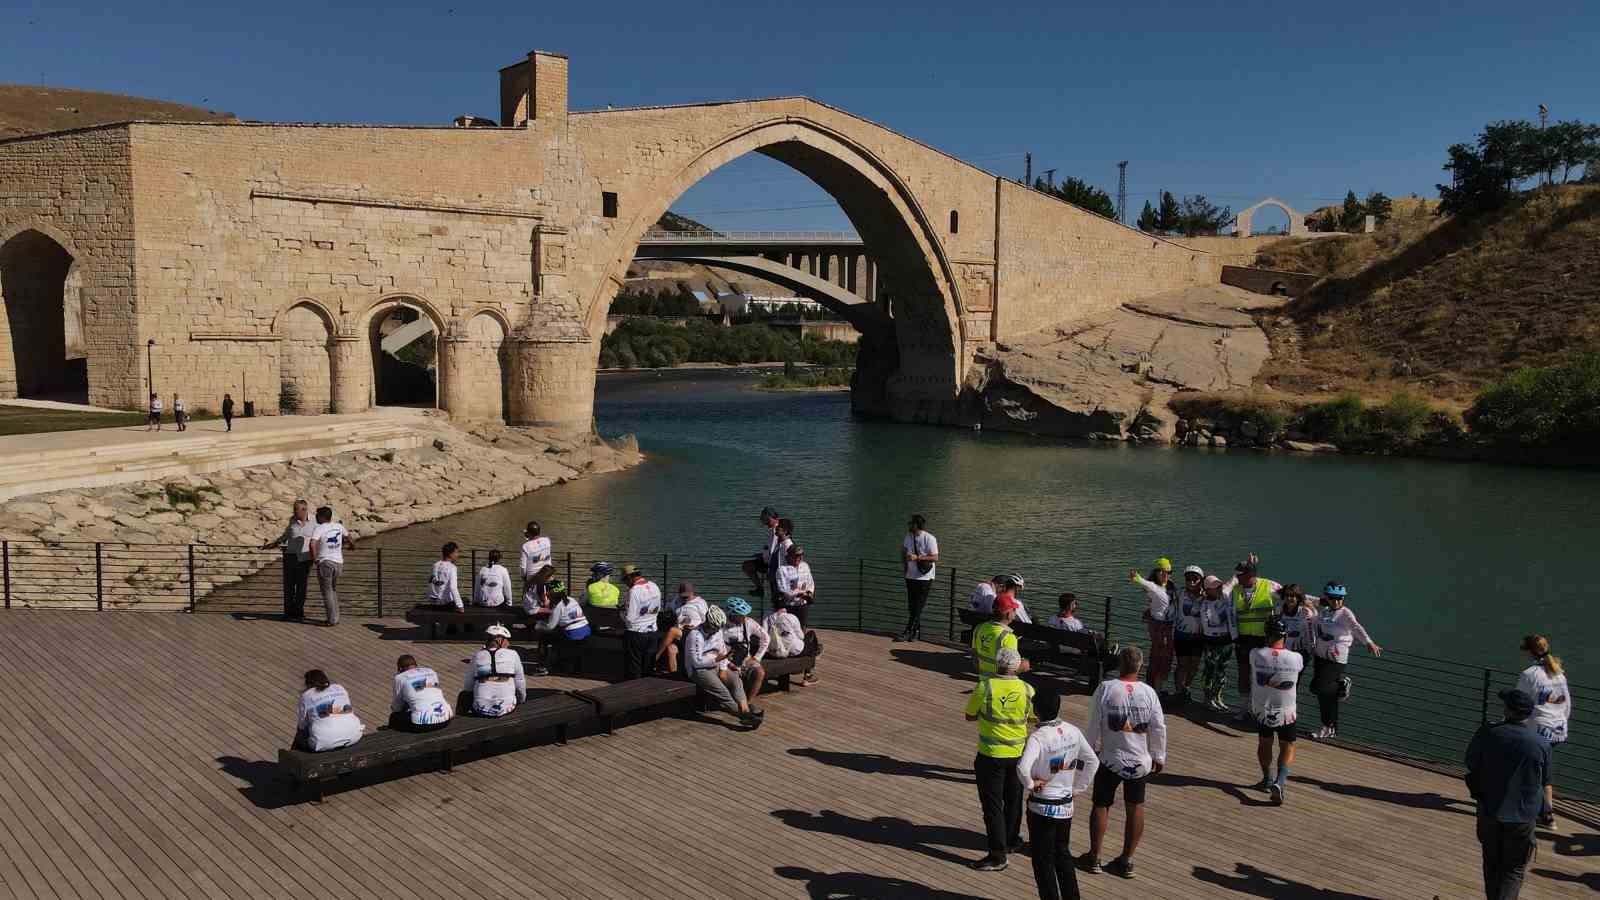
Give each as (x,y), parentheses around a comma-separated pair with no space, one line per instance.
(1050,178)
(1122,192)
(1027,169)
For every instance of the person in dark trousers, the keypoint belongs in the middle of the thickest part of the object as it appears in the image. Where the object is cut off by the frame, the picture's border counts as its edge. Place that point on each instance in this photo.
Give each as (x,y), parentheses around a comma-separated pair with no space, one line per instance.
(1002,705)
(920,550)
(1508,767)
(295,542)
(227,411)
(1056,763)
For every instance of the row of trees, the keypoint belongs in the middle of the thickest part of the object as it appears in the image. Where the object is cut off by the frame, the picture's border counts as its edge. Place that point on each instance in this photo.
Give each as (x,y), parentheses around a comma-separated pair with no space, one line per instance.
(1352,216)
(1079,193)
(640,343)
(1511,155)
(664,302)
(1191,216)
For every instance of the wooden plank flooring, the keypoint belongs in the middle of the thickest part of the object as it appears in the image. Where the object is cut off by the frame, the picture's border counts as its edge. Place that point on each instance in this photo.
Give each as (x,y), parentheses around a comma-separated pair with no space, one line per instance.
(150,774)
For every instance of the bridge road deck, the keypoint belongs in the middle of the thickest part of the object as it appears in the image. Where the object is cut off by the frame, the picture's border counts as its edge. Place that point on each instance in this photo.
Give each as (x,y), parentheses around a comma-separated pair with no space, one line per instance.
(143,769)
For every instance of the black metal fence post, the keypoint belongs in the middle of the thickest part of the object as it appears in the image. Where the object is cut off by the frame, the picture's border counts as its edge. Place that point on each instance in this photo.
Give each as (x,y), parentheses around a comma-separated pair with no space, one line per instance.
(193,591)
(950,624)
(1484,712)
(5,557)
(1108,620)
(99,581)
(474,569)
(380,582)
(569,571)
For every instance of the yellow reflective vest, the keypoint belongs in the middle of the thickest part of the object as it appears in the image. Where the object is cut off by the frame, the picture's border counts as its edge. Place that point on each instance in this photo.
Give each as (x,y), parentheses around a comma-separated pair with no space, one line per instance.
(1004,707)
(1252,612)
(603,594)
(988,640)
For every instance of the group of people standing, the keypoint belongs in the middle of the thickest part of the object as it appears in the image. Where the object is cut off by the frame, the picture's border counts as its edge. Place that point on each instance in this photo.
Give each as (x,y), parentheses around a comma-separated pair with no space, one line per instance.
(312,545)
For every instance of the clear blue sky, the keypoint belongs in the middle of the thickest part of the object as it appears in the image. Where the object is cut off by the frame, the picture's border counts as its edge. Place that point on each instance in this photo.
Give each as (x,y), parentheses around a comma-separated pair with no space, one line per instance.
(1234,100)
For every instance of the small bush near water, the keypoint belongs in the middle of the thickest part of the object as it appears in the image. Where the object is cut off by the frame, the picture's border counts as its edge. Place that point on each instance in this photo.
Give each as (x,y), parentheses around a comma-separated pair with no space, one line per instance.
(1543,406)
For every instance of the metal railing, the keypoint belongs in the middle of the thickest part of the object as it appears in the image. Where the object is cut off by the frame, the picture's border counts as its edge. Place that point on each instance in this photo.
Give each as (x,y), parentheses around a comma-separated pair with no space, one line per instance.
(750,237)
(1419,708)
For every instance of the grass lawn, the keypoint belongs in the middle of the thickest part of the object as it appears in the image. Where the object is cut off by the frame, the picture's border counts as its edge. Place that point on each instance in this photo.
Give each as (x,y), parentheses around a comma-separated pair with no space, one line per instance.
(26,420)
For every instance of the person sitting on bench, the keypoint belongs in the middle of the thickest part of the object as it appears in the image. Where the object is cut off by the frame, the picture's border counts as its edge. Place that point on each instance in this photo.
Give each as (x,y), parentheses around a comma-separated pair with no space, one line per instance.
(1067,618)
(418,704)
(982,599)
(747,643)
(564,628)
(495,676)
(787,637)
(493,587)
(600,592)
(443,586)
(327,720)
(706,660)
(690,612)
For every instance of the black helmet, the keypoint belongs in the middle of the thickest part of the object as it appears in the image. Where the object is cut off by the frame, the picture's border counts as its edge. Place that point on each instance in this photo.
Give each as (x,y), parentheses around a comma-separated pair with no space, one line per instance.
(1276,629)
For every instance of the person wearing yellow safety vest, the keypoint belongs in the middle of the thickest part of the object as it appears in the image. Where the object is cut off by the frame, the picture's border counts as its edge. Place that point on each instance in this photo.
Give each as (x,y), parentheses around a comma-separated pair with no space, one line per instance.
(1253,600)
(600,592)
(1002,705)
(995,635)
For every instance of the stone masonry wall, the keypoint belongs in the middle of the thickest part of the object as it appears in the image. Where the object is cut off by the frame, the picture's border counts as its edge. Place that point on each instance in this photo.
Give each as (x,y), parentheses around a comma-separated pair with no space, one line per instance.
(1059,263)
(75,188)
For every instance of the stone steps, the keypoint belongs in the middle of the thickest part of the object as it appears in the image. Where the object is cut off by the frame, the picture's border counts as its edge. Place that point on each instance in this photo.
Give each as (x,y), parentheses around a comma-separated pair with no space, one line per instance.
(122,462)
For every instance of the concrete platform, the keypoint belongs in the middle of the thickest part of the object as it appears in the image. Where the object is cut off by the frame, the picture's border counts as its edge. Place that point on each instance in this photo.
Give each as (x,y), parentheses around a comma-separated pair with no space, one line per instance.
(59,460)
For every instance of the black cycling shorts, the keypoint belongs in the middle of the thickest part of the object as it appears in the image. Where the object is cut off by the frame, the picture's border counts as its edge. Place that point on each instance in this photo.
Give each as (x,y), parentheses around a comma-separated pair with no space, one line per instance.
(1285,733)
(1107,781)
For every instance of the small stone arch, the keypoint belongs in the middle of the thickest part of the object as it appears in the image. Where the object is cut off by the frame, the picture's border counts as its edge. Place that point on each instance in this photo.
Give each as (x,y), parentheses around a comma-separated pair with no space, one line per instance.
(393,381)
(479,363)
(321,309)
(40,281)
(1297,225)
(305,358)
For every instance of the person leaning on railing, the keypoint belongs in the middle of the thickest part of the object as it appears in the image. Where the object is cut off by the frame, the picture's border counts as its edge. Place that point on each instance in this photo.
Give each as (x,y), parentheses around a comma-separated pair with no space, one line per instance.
(1546,682)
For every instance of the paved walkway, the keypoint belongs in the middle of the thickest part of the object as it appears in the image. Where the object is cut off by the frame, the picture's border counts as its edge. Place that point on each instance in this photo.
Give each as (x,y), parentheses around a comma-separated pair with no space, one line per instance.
(169,439)
(153,777)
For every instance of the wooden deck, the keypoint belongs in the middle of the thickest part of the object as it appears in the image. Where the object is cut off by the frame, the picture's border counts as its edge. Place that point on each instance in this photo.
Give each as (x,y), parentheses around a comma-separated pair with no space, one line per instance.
(148,774)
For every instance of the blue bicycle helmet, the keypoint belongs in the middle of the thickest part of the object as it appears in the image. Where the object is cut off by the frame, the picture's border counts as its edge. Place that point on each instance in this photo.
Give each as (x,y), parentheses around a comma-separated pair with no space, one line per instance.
(737,606)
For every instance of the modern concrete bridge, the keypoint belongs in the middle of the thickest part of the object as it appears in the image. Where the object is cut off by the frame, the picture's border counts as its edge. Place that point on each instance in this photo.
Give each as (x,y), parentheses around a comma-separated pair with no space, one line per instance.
(270,254)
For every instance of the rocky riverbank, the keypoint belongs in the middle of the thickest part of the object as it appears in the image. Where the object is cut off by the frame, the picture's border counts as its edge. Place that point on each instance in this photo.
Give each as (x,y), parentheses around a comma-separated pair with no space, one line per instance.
(462,468)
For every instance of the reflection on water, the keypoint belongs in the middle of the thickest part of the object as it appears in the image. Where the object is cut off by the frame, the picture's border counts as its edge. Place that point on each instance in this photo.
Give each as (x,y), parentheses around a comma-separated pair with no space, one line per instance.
(1445,559)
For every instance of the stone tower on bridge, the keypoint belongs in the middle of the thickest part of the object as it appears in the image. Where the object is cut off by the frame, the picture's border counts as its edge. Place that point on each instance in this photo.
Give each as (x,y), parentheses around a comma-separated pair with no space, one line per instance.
(271,260)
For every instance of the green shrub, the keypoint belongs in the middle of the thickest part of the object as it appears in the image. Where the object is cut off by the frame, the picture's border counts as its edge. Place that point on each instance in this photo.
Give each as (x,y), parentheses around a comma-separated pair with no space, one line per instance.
(654,344)
(1542,406)
(1397,422)
(1337,421)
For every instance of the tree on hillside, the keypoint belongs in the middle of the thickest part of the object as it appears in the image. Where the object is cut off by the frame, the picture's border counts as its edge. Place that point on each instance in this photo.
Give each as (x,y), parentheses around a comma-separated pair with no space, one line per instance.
(1168,216)
(1147,218)
(1080,193)
(1378,206)
(1197,215)
(1486,174)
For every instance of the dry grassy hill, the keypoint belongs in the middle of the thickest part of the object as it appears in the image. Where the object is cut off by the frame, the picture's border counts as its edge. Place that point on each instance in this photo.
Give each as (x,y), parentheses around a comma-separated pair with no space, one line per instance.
(1441,306)
(30,109)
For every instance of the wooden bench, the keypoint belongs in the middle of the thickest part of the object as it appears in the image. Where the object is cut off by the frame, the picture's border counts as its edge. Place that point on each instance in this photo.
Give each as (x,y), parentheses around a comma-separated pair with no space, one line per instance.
(1085,652)
(471,622)
(387,746)
(614,701)
(782,668)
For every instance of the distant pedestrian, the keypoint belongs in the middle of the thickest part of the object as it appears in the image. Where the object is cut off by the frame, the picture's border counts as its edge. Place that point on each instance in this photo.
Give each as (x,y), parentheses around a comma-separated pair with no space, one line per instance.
(328,543)
(227,411)
(1160,593)
(180,412)
(1508,772)
(1056,763)
(639,619)
(1128,729)
(920,550)
(1002,705)
(295,542)
(1546,682)
(1275,672)
(154,423)
(1336,629)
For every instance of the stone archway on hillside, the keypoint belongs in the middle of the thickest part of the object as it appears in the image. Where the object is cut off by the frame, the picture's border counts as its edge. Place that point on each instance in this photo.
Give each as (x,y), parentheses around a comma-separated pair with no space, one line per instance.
(305,359)
(1297,222)
(42,350)
(915,364)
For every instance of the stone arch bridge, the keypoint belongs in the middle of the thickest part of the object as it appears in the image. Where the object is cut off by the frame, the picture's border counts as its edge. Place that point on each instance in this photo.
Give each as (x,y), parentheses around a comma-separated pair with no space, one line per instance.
(257,256)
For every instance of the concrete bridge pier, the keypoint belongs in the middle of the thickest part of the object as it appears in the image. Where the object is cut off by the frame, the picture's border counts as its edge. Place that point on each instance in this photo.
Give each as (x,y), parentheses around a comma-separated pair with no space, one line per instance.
(552,382)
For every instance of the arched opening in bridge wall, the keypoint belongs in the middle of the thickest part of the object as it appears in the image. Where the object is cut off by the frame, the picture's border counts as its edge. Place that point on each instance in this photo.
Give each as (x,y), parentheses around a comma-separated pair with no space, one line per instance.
(908,361)
(42,352)
(305,361)
(479,365)
(406,353)
(1270,219)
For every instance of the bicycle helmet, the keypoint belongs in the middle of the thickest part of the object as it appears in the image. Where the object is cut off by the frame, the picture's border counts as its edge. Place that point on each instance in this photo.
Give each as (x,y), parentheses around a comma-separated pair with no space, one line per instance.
(737,606)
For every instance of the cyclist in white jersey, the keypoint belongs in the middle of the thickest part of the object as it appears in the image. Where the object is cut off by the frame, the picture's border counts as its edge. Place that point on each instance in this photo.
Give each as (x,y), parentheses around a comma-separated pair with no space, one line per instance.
(536,563)
(496,681)
(1275,678)
(493,584)
(325,719)
(1056,763)
(1130,732)
(1546,682)
(418,703)
(1299,619)
(444,588)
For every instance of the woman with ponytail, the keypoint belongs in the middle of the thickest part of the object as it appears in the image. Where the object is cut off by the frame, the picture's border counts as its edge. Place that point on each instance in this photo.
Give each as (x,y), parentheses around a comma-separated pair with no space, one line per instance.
(1546,683)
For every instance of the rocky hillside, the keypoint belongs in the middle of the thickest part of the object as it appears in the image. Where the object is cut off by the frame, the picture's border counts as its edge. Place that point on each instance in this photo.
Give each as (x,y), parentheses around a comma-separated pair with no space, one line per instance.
(1441,307)
(31,109)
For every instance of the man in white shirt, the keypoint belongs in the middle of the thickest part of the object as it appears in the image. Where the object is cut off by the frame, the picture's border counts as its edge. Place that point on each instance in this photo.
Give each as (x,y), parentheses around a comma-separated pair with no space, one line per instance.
(328,542)
(295,542)
(1056,763)
(1066,617)
(493,584)
(536,567)
(639,612)
(1275,675)
(418,703)
(920,550)
(444,588)
(180,412)
(1128,729)
(690,612)
(496,681)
